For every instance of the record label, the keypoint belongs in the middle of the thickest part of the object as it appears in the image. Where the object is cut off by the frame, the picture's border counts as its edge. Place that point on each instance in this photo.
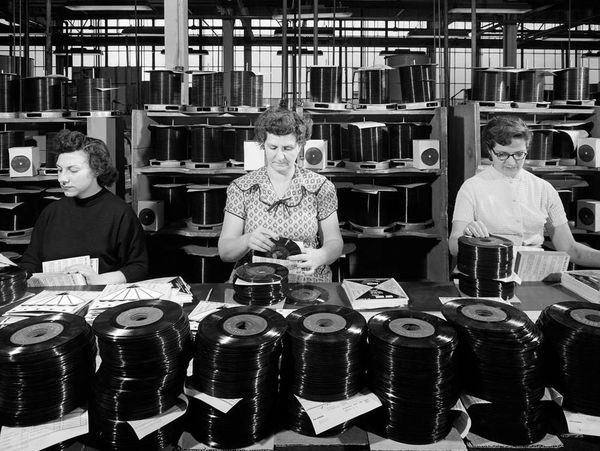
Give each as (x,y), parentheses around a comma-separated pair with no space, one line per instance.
(139,317)
(305,294)
(324,322)
(586,316)
(245,325)
(484,313)
(411,327)
(36,333)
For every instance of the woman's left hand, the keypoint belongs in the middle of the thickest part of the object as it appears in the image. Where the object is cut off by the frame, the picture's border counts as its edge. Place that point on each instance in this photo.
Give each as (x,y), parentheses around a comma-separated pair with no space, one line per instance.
(91,276)
(310,259)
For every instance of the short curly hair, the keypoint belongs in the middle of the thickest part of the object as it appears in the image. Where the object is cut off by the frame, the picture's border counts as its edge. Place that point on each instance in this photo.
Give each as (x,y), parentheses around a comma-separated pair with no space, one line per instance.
(280,121)
(99,157)
(502,130)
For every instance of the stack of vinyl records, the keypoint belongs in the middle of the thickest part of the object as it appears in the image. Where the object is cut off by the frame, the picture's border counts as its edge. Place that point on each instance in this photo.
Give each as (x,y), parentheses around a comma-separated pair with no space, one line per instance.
(145,348)
(46,363)
(484,263)
(260,283)
(413,369)
(500,360)
(13,284)
(323,360)
(571,342)
(237,353)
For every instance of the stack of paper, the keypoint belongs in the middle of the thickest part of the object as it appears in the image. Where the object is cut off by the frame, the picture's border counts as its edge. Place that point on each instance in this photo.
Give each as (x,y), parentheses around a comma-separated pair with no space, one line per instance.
(374,293)
(54,272)
(48,301)
(585,282)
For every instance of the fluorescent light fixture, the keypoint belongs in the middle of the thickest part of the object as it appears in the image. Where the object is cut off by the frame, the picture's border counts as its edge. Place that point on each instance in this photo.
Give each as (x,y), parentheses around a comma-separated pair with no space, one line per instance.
(112,6)
(305,32)
(567,39)
(191,51)
(146,31)
(322,13)
(490,10)
(304,52)
(78,51)
(452,34)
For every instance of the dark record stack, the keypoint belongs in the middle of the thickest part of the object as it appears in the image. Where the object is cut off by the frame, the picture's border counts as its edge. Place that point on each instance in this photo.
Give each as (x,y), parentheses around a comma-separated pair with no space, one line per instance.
(500,361)
(94,94)
(169,142)
(233,140)
(413,369)
(373,86)
(482,263)
(237,354)
(21,207)
(417,83)
(323,360)
(373,206)
(246,89)
(44,93)
(260,284)
(206,144)
(401,135)
(165,87)
(9,93)
(414,204)
(206,204)
(325,84)
(572,83)
(207,89)
(571,342)
(145,348)
(367,142)
(491,85)
(46,364)
(174,197)
(332,133)
(13,284)
(303,294)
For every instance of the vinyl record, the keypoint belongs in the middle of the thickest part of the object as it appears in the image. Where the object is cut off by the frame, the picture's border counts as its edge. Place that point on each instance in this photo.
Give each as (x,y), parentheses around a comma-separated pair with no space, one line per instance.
(305,294)
(13,284)
(262,272)
(485,257)
(324,356)
(282,249)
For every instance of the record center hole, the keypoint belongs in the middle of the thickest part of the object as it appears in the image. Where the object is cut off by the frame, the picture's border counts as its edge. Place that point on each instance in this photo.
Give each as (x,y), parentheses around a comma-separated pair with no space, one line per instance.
(139,317)
(324,323)
(36,333)
(483,313)
(410,327)
(593,317)
(242,325)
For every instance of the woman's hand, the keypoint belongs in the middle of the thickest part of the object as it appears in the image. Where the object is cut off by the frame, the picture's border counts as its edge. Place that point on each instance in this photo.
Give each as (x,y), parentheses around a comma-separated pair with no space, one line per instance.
(310,259)
(476,229)
(260,239)
(91,276)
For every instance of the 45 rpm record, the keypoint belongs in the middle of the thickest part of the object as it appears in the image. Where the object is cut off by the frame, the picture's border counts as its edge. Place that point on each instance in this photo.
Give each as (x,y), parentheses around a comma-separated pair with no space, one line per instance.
(305,294)
(137,319)
(483,314)
(282,249)
(262,272)
(325,323)
(412,329)
(492,241)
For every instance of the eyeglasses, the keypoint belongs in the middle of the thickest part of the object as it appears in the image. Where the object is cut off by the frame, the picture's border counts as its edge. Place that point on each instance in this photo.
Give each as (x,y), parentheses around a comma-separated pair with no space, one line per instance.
(503,156)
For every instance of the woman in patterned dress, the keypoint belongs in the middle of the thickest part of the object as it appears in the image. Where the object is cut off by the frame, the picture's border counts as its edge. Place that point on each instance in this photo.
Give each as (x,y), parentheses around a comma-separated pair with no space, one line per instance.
(283,200)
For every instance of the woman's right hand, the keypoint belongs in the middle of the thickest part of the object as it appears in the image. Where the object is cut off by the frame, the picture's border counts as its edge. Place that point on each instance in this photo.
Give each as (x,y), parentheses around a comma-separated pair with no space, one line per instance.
(260,239)
(476,229)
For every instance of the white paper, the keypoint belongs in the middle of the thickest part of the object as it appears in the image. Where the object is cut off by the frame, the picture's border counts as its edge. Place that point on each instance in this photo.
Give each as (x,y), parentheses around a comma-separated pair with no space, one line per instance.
(325,415)
(534,266)
(4,261)
(469,400)
(63,263)
(10,205)
(55,301)
(41,436)
(462,422)
(203,309)
(148,425)
(56,279)
(578,423)
(6,320)
(221,404)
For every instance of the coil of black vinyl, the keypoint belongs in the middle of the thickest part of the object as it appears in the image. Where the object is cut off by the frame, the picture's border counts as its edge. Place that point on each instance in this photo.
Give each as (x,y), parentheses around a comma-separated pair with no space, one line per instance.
(233,140)
(246,89)
(401,135)
(51,149)
(491,85)
(94,94)
(479,288)
(541,145)
(174,197)
(260,283)
(332,133)
(373,86)
(145,348)
(44,93)
(207,89)
(417,83)
(324,353)
(46,363)
(165,87)
(571,342)
(413,369)
(414,203)
(237,353)
(206,203)
(325,84)
(9,93)
(19,210)
(206,144)
(13,284)
(367,142)
(572,83)
(485,257)
(345,200)
(373,206)
(9,139)
(169,142)
(528,86)
(500,360)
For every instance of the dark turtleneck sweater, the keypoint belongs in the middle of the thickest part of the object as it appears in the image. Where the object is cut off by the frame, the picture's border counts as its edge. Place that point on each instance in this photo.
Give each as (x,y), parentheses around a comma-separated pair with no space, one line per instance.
(102,226)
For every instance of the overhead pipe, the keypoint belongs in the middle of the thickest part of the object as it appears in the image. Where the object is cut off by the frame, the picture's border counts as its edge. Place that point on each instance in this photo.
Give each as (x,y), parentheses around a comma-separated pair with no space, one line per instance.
(284,53)
(48,52)
(316,32)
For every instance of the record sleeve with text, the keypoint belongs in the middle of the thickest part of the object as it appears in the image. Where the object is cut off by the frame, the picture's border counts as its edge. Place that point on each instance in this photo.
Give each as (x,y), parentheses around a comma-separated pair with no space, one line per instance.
(585,283)
(373,293)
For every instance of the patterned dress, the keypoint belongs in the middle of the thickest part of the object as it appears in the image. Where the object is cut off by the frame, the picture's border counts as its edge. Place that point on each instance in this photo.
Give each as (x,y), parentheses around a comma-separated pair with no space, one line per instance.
(310,198)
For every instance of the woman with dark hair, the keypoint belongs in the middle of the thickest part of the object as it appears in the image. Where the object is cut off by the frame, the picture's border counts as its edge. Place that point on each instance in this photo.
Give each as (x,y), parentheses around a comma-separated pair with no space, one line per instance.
(508,201)
(283,200)
(90,220)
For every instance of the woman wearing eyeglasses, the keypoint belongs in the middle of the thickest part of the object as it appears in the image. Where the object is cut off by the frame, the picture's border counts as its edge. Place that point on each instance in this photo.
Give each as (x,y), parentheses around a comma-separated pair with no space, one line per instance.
(508,201)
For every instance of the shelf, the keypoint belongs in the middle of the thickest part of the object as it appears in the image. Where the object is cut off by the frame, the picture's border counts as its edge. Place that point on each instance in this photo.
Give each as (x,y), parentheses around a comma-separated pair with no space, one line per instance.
(430,233)
(35,178)
(155,170)
(548,111)
(17,240)
(31,120)
(551,168)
